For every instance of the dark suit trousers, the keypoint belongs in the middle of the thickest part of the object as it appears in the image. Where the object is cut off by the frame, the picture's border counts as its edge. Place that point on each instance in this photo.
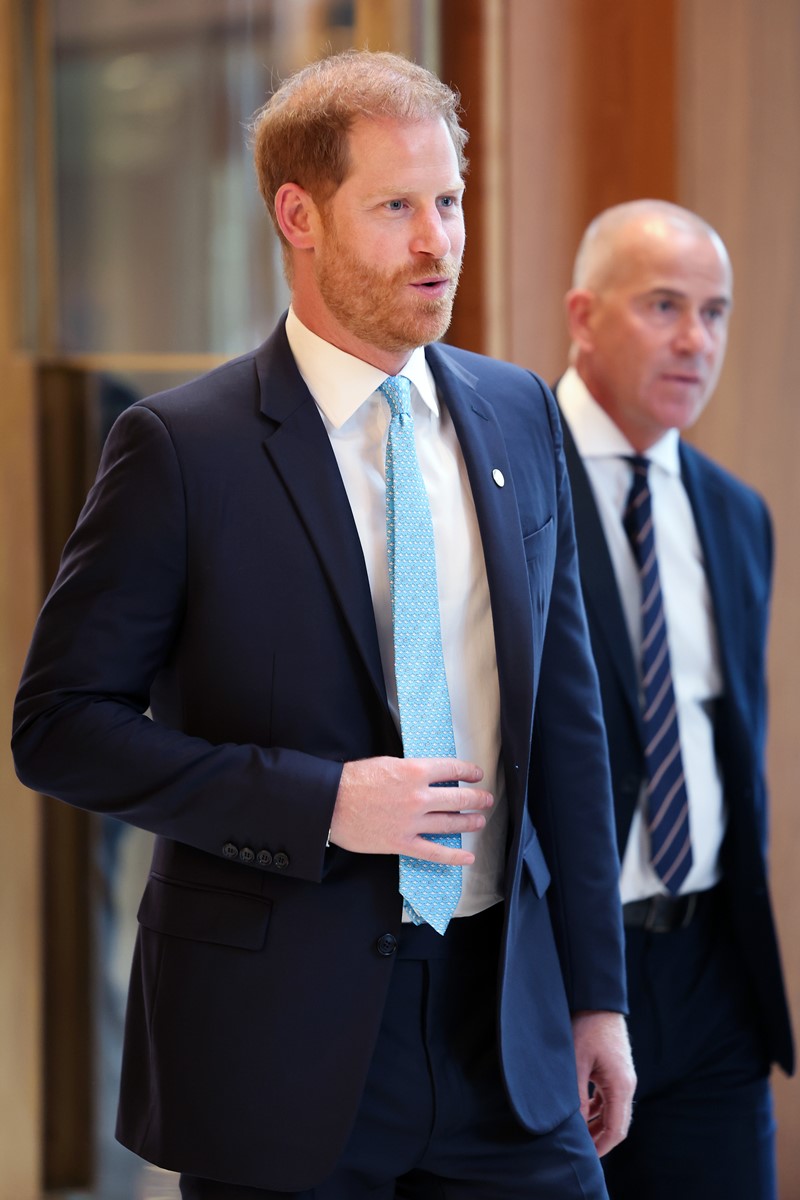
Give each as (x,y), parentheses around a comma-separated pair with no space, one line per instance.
(434,1122)
(703,1127)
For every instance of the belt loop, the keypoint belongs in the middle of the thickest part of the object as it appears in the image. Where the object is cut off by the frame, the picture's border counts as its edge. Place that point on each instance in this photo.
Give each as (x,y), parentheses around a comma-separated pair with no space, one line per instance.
(651,919)
(691,906)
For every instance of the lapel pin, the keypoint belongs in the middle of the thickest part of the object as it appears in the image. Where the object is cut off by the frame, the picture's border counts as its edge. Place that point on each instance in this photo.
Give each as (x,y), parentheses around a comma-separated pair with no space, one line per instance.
(498,477)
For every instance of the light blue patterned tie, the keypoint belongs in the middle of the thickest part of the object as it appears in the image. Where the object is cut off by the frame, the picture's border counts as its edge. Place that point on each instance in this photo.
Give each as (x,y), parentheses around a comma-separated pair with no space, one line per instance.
(430,890)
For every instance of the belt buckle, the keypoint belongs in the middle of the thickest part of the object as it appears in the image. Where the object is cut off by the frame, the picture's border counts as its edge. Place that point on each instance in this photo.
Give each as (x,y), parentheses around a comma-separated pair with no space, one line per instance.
(661,914)
(654,919)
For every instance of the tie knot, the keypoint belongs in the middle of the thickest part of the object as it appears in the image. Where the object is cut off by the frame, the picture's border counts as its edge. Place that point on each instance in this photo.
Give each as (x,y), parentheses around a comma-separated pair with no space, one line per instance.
(639,463)
(637,514)
(639,494)
(397,390)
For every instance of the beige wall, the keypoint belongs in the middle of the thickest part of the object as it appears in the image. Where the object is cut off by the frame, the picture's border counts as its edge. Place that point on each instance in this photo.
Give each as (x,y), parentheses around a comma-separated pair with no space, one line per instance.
(739,165)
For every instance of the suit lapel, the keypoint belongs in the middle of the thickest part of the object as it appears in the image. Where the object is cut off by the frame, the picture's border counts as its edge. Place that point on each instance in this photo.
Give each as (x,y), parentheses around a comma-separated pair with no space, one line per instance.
(484,450)
(717,541)
(300,451)
(598,580)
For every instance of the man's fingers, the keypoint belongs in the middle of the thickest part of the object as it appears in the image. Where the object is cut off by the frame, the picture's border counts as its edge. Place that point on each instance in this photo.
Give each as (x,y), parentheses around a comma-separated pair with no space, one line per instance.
(390,805)
(423,848)
(447,801)
(451,822)
(437,771)
(449,770)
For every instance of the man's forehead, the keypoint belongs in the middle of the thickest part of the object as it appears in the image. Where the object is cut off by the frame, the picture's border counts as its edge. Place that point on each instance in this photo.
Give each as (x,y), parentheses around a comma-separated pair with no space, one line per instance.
(659,253)
(388,155)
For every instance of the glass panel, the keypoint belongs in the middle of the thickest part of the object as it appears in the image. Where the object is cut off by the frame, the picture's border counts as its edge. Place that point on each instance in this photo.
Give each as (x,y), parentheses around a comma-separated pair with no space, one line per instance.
(164,244)
(27,174)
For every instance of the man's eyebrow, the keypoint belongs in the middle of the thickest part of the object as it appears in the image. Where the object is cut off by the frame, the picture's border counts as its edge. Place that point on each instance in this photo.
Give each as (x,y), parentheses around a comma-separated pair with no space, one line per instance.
(456,185)
(724,301)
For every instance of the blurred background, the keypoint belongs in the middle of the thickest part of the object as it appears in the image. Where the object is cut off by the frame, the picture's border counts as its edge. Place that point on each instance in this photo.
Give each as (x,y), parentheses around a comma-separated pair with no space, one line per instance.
(135,253)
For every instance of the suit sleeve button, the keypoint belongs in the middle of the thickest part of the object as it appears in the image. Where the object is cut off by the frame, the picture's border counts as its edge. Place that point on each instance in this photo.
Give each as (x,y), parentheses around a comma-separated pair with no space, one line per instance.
(386,944)
(264,858)
(230,851)
(246,854)
(280,860)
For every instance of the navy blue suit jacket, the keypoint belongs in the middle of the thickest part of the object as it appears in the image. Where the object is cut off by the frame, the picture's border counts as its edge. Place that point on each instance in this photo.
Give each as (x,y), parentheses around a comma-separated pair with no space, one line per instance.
(216,575)
(735,533)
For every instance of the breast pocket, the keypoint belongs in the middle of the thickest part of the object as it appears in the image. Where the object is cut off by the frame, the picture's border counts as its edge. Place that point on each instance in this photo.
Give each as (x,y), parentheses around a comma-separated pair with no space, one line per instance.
(536,866)
(540,556)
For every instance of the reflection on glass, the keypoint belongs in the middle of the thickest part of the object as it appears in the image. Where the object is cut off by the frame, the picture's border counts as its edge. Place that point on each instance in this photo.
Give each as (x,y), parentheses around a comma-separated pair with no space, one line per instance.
(164,245)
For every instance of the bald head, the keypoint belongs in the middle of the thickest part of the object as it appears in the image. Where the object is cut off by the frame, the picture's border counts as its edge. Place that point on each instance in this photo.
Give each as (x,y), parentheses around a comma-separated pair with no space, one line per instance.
(605,247)
(648,316)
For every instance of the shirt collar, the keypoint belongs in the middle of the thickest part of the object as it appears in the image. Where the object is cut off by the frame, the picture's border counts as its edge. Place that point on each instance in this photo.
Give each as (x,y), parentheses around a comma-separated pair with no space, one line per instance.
(340,382)
(596,435)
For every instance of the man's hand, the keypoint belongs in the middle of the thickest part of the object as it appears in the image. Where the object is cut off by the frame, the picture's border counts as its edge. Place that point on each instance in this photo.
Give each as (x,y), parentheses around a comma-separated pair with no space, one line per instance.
(603,1057)
(385,805)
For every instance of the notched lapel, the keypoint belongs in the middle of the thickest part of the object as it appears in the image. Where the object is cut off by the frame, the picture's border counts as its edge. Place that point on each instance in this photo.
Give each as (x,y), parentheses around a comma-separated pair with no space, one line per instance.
(716,534)
(484,450)
(300,451)
(598,581)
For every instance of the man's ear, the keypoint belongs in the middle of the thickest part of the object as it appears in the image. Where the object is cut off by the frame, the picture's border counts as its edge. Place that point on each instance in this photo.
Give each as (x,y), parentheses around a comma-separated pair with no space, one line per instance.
(297,216)
(579,304)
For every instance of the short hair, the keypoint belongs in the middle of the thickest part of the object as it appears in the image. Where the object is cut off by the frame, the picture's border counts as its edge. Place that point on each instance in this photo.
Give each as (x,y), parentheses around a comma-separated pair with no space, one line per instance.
(300,134)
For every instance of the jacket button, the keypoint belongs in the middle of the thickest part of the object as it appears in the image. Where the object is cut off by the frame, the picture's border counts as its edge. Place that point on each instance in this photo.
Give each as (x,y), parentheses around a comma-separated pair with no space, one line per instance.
(264,858)
(230,851)
(246,854)
(386,944)
(280,860)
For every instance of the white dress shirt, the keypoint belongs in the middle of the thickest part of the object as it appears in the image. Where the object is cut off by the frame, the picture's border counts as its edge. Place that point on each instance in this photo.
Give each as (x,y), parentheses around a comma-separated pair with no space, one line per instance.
(696,675)
(356,418)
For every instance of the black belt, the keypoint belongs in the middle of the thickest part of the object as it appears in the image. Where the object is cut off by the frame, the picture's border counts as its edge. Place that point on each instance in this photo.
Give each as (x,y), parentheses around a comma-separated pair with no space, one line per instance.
(663,914)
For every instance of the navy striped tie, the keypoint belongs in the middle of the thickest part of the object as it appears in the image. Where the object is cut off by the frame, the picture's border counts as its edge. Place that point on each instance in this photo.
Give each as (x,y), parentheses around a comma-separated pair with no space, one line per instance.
(667,801)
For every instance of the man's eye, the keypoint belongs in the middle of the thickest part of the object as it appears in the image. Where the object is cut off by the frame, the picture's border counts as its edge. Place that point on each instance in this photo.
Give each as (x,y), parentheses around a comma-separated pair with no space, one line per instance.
(395,205)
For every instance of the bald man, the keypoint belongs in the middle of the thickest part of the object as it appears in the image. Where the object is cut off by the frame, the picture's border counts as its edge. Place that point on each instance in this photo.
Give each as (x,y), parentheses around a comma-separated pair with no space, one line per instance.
(676,559)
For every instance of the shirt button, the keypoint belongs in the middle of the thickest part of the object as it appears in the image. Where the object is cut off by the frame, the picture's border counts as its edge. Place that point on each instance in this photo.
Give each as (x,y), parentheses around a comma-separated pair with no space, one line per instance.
(280,860)
(386,944)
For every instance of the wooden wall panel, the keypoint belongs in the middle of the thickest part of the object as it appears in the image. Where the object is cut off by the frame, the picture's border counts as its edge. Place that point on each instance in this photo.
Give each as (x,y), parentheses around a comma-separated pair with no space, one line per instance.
(20,846)
(463,61)
(740,167)
(590,107)
(544,198)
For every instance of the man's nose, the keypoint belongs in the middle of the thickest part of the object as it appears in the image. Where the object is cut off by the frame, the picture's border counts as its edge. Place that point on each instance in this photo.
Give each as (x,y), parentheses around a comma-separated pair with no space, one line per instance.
(693,335)
(430,236)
